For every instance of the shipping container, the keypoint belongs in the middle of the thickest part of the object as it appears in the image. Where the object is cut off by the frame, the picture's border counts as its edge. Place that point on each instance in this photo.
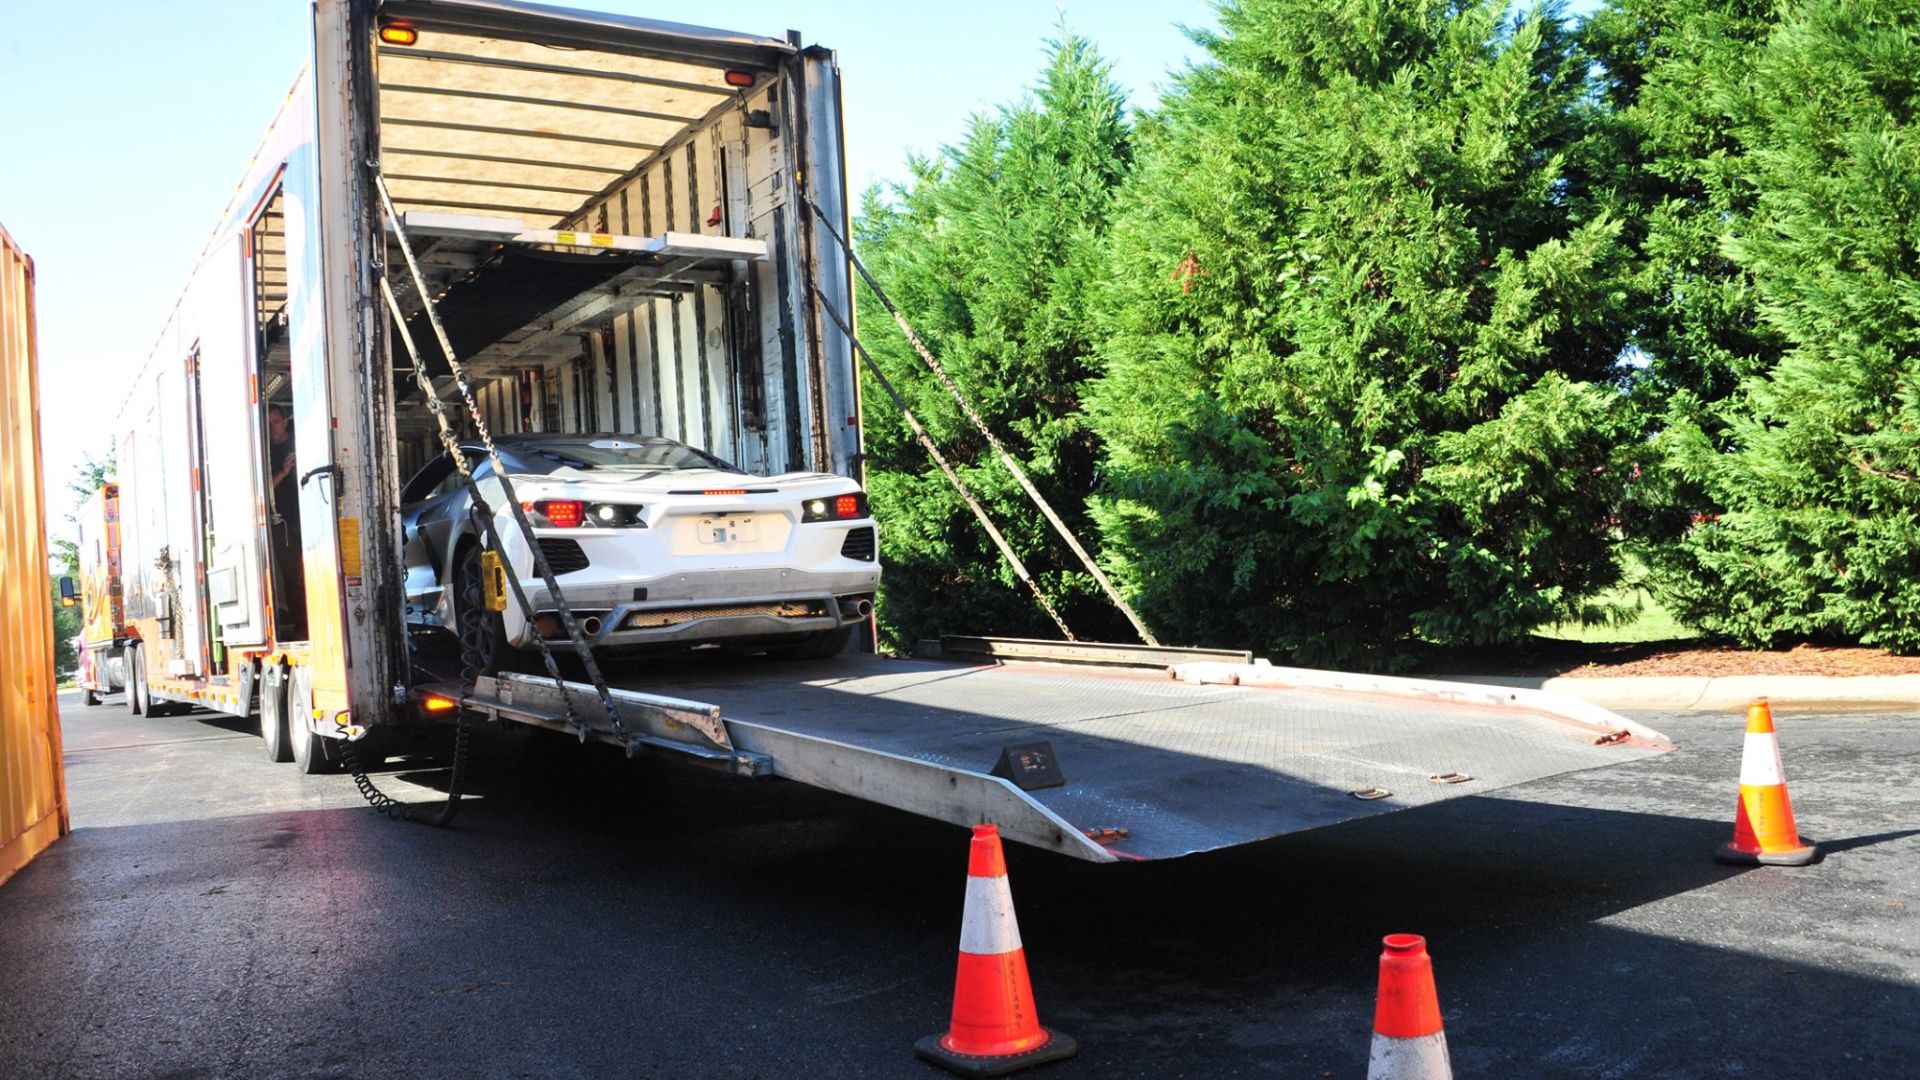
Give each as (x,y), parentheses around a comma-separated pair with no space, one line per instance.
(33,795)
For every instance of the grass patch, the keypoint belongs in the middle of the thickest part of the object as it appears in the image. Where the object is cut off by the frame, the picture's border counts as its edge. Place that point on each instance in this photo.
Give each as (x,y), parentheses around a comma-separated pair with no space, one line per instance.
(1642,618)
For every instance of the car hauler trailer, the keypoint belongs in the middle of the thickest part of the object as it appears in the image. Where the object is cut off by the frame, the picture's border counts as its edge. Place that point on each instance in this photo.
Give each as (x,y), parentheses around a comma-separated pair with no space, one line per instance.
(584,222)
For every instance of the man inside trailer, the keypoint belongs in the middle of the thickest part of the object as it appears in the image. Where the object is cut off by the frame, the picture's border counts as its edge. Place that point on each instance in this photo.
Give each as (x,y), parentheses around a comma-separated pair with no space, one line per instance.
(290,579)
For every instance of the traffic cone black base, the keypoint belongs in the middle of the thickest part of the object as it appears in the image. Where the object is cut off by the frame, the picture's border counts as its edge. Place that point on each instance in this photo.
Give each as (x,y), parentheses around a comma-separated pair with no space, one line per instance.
(1797,857)
(1056,1047)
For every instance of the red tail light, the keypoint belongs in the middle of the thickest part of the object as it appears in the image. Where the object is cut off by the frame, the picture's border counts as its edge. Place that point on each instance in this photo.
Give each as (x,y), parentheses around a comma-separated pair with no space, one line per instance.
(847,506)
(562,513)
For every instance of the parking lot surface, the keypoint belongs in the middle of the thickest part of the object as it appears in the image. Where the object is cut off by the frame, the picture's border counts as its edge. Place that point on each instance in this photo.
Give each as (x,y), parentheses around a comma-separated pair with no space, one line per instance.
(214,914)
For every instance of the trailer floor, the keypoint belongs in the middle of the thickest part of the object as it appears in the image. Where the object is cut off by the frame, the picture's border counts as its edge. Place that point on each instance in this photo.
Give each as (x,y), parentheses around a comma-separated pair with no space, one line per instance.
(1161,768)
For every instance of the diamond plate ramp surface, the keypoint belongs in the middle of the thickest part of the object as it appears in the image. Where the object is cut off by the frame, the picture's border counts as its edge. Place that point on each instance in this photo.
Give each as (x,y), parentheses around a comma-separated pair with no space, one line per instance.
(1181,768)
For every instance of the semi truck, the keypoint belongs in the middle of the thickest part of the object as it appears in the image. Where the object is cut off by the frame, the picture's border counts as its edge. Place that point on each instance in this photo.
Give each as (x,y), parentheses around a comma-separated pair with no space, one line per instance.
(103,624)
(553,220)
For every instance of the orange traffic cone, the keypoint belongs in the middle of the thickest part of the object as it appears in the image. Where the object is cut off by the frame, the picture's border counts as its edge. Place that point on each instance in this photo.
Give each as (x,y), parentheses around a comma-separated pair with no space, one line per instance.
(1408,1042)
(995,1029)
(1763,828)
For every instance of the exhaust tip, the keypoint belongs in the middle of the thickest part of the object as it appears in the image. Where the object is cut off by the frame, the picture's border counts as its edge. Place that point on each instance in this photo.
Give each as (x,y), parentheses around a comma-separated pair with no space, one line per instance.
(859,607)
(590,626)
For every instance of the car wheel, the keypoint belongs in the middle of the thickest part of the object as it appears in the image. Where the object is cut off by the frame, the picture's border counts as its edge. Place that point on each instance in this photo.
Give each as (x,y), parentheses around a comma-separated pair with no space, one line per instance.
(273,714)
(816,646)
(491,634)
(311,754)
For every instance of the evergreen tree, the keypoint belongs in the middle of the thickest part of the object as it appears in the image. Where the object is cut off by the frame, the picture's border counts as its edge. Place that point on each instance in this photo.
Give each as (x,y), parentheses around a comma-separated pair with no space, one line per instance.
(1817,460)
(1362,317)
(991,251)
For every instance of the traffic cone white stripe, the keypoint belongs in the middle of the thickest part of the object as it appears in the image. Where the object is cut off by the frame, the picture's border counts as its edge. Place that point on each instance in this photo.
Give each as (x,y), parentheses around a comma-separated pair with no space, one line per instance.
(1423,1057)
(1760,760)
(988,927)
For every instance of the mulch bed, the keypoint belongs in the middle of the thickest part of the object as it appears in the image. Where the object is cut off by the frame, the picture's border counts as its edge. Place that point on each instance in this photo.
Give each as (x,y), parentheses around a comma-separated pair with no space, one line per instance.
(1546,657)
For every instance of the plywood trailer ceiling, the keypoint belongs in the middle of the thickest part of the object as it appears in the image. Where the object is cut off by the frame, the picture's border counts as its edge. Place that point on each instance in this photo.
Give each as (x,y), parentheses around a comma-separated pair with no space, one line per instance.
(497,126)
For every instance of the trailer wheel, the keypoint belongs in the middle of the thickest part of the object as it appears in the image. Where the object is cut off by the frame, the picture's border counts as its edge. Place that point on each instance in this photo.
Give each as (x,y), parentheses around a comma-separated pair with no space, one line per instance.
(88,697)
(311,754)
(273,713)
(136,681)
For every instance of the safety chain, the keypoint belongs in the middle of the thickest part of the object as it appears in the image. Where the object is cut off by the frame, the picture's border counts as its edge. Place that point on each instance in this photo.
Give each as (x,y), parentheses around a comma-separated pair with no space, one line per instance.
(561,607)
(1006,457)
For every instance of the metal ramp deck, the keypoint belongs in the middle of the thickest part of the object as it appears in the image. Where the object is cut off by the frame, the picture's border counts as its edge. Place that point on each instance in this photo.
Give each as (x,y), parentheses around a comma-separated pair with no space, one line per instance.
(1153,767)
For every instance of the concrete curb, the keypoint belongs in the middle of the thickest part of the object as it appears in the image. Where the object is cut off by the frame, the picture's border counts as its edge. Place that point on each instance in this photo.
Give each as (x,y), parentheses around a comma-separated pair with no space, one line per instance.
(1725,693)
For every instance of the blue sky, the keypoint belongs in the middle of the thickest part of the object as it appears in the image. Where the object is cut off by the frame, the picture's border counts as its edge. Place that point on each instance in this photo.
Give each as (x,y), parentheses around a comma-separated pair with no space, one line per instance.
(125,124)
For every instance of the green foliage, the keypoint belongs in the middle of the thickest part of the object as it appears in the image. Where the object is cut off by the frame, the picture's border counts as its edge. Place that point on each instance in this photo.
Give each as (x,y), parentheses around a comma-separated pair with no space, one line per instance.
(991,252)
(88,477)
(1360,310)
(66,627)
(1816,460)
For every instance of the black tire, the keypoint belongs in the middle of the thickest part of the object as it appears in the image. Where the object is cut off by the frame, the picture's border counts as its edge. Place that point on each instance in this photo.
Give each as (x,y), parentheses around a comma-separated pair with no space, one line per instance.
(88,697)
(311,753)
(273,714)
(819,645)
(469,596)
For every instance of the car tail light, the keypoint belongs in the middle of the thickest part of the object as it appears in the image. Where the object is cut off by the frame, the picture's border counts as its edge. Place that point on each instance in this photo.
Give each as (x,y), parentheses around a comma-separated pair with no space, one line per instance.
(847,507)
(561,513)
(573,514)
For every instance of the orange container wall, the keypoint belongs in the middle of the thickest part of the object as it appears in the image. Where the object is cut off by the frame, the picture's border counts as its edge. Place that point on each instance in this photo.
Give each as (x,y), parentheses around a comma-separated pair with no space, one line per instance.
(33,792)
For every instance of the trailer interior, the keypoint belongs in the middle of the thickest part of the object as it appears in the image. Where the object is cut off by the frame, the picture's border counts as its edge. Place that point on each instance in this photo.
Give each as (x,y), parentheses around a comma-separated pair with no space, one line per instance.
(591,204)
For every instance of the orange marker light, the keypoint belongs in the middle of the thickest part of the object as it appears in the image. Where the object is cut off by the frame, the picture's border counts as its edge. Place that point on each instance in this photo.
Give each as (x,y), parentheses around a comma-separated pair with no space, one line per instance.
(398,33)
(741,79)
(435,703)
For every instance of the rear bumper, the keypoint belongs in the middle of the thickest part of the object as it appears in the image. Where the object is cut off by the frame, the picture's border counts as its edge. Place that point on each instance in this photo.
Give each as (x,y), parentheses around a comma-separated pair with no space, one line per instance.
(710,606)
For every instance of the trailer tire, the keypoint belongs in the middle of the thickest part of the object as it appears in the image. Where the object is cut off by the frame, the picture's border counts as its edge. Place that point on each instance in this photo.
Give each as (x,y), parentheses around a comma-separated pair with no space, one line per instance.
(88,697)
(311,753)
(819,645)
(136,681)
(273,714)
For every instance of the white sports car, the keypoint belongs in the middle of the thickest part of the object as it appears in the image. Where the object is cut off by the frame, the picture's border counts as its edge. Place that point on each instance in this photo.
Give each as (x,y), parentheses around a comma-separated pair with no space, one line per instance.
(652,542)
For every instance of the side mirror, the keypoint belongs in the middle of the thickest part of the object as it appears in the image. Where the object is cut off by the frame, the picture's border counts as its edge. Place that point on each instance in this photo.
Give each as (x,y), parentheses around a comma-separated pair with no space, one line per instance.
(68,597)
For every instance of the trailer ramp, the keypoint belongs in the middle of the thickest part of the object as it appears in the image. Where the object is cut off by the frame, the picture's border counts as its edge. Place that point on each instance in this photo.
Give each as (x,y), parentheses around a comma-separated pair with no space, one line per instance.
(1151,766)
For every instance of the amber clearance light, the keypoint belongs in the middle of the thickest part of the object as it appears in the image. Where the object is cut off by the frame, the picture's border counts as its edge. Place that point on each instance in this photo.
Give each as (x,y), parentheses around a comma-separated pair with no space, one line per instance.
(398,33)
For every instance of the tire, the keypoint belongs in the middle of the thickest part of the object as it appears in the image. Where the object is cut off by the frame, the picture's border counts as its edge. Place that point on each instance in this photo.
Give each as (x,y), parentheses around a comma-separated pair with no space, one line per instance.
(469,596)
(273,714)
(311,754)
(137,681)
(88,697)
(816,646)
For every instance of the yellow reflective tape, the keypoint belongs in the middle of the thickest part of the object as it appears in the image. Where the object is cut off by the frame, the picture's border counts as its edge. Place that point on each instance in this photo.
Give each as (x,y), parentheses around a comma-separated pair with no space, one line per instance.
(349,547)
(493,580)
(564,238)
(602,240)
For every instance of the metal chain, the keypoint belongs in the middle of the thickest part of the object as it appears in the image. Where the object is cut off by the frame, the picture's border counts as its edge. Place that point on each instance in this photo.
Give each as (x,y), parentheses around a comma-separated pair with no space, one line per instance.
(561,607)
(1006,458)
(953,477)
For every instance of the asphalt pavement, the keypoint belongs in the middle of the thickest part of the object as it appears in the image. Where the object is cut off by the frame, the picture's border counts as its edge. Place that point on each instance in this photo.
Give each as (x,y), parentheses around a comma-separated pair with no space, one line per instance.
(216,915)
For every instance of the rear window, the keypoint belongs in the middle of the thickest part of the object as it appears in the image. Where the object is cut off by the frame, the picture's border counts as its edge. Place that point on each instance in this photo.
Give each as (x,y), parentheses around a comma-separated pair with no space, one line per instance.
(618,453)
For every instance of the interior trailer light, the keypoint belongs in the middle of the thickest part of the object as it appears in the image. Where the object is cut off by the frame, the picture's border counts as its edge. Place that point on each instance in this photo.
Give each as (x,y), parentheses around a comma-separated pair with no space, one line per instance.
(398,33)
